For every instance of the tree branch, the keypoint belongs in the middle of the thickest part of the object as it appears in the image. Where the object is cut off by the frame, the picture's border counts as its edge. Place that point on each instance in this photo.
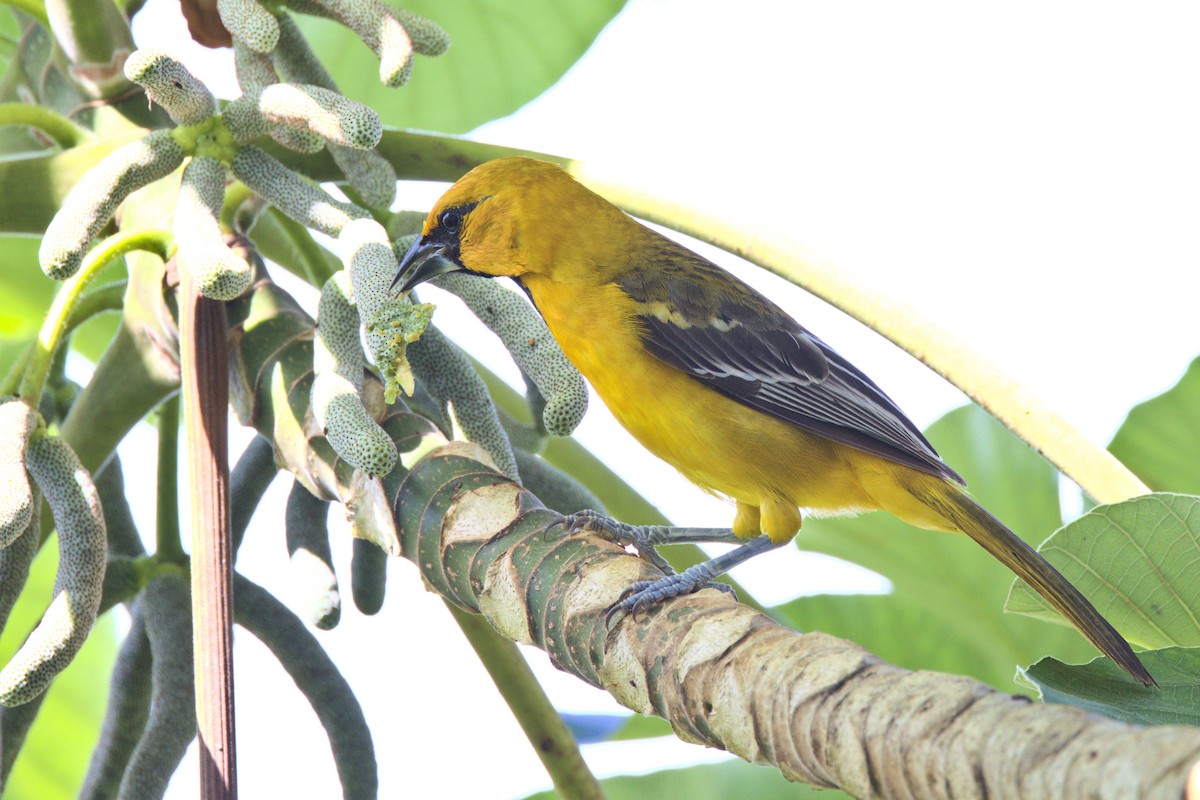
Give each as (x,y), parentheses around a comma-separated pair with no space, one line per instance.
(820,709)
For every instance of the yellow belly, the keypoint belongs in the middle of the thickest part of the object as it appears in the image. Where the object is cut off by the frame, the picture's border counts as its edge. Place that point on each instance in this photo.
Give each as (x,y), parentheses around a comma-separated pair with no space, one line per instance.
(716,442)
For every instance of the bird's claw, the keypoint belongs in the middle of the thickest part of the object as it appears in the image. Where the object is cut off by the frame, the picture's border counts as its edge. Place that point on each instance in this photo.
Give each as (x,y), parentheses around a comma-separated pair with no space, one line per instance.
(580,521)
(594,522)
(644,594)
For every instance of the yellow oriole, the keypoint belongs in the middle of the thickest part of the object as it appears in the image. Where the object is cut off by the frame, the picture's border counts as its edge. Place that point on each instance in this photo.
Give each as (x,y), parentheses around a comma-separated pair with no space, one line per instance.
(713,378)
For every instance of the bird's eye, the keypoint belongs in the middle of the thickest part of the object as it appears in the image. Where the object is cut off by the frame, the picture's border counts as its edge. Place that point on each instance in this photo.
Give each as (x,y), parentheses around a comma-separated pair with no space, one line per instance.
(451,220)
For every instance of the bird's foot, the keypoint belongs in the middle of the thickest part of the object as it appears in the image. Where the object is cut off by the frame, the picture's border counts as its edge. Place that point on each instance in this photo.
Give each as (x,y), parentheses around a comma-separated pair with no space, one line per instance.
(644,594)
(588,521)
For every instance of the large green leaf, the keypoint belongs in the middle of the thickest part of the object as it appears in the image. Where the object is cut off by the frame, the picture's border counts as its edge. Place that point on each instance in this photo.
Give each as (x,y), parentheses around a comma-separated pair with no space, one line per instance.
(1139,563)
(1102,687)
(1160,439)
(55,756)
(725,779)
(945,610)
(504,53)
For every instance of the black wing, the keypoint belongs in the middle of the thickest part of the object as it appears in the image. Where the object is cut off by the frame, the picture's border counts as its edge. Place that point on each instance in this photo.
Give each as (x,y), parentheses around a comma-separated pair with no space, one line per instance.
(748,349)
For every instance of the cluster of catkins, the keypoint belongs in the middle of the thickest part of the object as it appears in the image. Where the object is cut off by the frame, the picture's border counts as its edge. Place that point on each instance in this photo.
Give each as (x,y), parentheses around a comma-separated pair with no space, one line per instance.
(28,452)
(305,113)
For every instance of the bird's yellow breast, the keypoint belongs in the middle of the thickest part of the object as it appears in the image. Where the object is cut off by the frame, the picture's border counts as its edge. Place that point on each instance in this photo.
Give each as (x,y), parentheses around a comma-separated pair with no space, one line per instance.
(716,442)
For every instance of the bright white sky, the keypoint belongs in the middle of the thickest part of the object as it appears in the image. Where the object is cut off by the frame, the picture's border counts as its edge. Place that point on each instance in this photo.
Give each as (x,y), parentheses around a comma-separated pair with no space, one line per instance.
(1025,173)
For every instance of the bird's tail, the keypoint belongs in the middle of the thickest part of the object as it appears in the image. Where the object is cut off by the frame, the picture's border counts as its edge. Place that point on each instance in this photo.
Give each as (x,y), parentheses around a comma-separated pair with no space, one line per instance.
(1012,551)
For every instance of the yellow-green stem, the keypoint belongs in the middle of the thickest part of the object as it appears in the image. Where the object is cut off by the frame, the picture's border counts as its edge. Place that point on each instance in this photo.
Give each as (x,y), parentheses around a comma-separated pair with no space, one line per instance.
(62,130)
(1096,471)
(54,327)
(547,732)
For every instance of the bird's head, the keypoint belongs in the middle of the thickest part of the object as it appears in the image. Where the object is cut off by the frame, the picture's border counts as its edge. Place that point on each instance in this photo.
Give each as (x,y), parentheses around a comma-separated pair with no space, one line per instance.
(508,217)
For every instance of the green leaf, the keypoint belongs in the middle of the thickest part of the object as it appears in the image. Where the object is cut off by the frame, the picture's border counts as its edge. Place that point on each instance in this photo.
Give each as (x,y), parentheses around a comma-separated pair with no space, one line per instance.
(945,609)
(1102,687)
(725,779)
(504,53)
(1160,439)
(1139,563)
(55,756)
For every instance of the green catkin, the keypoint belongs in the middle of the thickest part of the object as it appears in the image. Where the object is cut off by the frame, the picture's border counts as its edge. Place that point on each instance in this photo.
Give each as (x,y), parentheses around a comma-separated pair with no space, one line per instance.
(79,581)
(536,352)
(428,38)
(92,202)
(390,324)
(126,714)
(171,85)
(15,723)
(171,725)
(448,375)
(219,273)
(251,477)
(122,534)
(15,560)
(305,524)
(337,381)
(17,423)
(328,114)
(368,576)
(250,24)
(368,172)
(298,199)
(317,677)
(255,71)
(378,29)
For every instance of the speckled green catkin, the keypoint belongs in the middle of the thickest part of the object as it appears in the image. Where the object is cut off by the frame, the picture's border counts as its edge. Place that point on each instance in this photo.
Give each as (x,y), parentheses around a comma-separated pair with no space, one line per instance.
(378,29)
(15,560)
(255,71)
(171,725)
(311,561)
(391,324)
(171,85)
(337,368)
(79,582)
(250,24)
(525,335)
(126,713)
(293,195)
(448,375)
(92,202)
(368,172)
(428,38)
(219,273)
(17,422)
(327,114)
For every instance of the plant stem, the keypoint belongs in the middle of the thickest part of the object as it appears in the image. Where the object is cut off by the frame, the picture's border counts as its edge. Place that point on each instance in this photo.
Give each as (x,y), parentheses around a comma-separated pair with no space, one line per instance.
(1096,471)
(62,130)
(547,732)
(169,546)
(110,297)
(54,327)
(205,374)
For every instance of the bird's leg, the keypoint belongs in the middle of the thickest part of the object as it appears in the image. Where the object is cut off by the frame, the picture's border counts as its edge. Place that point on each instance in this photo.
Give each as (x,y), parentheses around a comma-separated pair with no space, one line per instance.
(645,593)
(642,537)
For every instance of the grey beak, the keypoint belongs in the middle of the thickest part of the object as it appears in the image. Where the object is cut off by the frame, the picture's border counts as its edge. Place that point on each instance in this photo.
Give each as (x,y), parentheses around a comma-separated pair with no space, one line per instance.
(423,261)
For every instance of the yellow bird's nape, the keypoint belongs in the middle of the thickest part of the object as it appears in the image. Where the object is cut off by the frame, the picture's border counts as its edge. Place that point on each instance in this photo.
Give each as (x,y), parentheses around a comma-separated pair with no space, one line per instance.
(715,379)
